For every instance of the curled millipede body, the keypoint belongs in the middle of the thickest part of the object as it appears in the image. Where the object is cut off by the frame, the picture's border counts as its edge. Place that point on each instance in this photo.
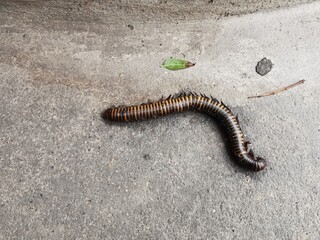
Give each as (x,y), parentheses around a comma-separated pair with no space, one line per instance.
(218,110)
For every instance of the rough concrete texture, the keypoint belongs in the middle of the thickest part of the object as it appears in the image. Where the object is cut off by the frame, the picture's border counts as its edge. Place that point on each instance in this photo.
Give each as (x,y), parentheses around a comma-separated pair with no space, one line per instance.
(65,174)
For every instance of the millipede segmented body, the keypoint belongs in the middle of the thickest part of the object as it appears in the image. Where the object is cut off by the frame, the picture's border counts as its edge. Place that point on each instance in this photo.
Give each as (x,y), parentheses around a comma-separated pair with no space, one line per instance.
(201,103)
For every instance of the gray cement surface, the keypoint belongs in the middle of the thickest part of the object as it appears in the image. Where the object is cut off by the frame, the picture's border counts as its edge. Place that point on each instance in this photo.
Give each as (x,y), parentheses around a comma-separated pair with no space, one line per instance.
(65,174)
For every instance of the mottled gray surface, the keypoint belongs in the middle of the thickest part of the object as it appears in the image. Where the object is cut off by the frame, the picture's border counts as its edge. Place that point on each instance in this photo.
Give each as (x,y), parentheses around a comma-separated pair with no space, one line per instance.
(65,174)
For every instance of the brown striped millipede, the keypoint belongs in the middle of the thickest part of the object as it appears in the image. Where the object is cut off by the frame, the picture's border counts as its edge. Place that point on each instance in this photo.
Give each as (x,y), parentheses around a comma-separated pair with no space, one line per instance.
(240,147)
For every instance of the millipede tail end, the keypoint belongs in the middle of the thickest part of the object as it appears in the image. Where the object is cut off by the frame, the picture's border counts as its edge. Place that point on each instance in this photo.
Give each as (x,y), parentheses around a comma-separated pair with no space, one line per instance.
(106,115)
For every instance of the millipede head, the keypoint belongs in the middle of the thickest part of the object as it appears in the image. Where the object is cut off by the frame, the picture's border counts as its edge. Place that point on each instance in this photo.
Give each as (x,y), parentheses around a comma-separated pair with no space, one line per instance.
(261,164)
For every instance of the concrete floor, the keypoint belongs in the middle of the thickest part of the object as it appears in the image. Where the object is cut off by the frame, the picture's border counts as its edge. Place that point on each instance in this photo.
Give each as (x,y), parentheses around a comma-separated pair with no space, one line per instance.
(65,174)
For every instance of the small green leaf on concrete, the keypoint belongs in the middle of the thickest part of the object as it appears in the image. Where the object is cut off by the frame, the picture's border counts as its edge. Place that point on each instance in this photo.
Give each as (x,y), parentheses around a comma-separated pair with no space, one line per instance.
(177,64)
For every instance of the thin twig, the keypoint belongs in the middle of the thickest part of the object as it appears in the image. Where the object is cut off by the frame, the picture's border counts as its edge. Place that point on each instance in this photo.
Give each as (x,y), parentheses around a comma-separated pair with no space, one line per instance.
(279,90)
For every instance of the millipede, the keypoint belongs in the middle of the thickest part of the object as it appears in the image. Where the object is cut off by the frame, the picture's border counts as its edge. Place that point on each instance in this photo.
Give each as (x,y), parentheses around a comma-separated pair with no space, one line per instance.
(239,146)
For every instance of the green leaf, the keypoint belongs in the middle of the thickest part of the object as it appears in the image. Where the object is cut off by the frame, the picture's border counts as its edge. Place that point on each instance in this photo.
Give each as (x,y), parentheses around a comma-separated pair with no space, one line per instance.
(176,64)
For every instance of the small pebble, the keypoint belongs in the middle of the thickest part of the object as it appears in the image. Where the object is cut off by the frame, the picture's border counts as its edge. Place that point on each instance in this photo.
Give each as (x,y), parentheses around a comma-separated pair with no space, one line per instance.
(264,66)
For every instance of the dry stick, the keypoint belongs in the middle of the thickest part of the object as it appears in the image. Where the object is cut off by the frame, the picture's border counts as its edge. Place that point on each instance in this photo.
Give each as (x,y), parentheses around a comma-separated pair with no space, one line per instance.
(279,90)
